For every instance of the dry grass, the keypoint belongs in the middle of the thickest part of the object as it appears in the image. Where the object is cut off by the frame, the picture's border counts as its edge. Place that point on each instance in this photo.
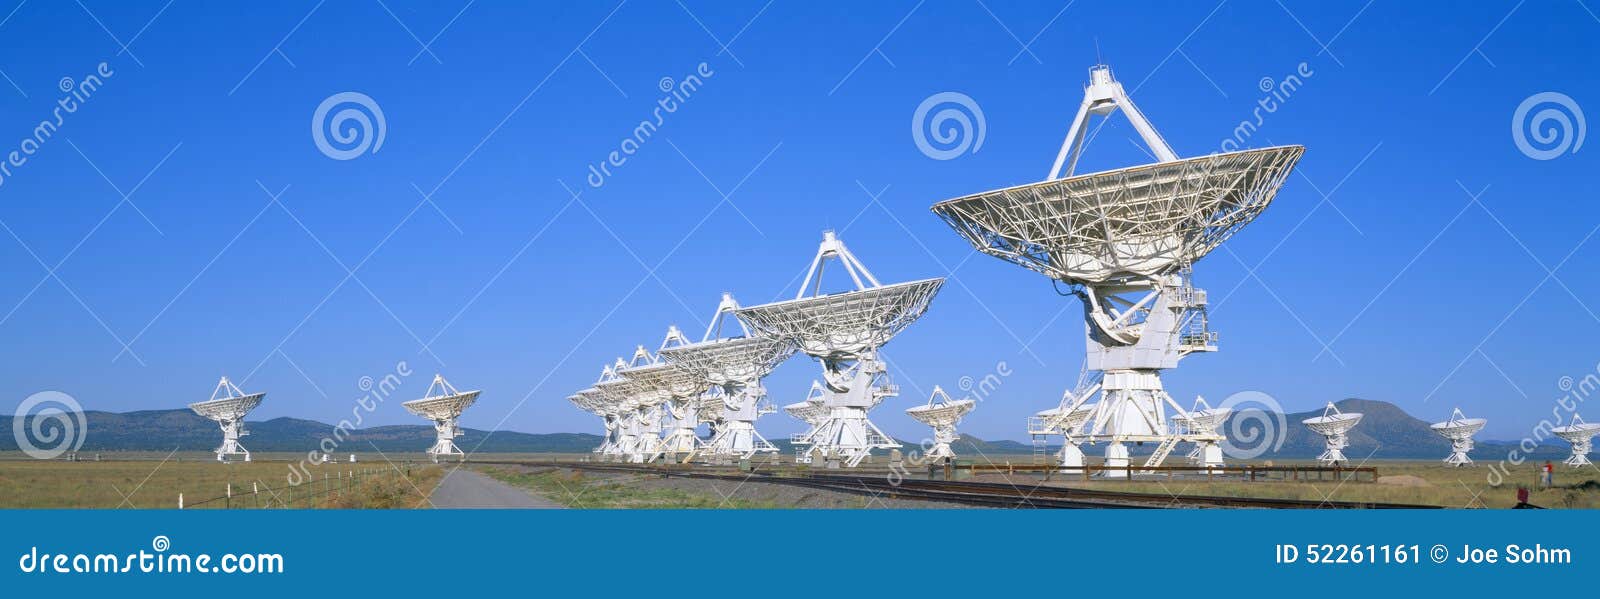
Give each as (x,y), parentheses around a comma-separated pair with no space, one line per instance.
(152,483)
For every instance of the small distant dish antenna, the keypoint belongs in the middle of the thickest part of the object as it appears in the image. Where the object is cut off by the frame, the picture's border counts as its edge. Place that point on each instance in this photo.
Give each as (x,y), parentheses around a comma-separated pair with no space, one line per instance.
(228,407)
(443,404)
(1459,429)
(1202,422)
(1581,435)
(942,414)
(1335,427)
(813,411)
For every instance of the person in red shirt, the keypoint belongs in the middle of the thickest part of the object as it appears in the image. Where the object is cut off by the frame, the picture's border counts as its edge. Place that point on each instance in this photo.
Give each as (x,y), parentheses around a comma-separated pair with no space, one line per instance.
(1549,474)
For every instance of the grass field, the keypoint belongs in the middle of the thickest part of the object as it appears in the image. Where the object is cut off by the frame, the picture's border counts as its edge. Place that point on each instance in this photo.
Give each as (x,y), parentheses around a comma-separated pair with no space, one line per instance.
(156,482)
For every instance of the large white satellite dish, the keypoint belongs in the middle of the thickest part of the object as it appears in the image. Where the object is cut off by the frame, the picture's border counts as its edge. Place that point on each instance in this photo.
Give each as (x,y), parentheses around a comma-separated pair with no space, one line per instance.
(1334,426)
(844,331)
(735,365)
(680,389)
(1123,242)
(228,407)
(1459,429)
(443,404)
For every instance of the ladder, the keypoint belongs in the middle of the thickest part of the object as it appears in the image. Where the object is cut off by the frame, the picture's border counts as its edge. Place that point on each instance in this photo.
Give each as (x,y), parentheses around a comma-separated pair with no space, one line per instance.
(1161,452)
(1040,451)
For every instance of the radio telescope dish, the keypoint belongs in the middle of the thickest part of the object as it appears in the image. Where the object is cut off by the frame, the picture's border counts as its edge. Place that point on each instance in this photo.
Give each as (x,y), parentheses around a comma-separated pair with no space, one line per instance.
(735,365)
(641,398)
(942,414)
(1124,241)
(228,407)
(1459,430)
(1581,435)
(679,387)
(844,331)
(589,400)
(814,412)
(443,404)
(1335,426)
(1202,419)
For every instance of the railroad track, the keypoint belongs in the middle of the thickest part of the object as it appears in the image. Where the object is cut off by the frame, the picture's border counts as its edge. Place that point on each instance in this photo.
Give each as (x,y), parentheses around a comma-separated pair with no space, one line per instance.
(1000,495)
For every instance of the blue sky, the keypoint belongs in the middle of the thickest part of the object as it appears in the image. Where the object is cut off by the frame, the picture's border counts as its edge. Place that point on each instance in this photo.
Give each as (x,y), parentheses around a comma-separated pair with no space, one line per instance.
(1425,297)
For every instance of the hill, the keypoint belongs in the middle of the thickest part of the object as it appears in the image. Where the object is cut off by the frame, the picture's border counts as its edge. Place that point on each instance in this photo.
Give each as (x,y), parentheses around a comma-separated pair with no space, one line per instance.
(164,430)
(1385,432)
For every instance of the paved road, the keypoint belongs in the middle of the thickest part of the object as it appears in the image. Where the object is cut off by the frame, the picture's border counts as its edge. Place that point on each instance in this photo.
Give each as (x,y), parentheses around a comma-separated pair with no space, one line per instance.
(467,489)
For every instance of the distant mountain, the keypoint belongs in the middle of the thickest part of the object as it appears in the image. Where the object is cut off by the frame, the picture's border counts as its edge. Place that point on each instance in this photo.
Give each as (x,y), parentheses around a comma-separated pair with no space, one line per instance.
(1385,432)
(164,430)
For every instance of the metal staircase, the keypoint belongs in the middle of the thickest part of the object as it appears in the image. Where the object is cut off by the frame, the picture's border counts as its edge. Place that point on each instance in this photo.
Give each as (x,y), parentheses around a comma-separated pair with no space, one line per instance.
(1161,453)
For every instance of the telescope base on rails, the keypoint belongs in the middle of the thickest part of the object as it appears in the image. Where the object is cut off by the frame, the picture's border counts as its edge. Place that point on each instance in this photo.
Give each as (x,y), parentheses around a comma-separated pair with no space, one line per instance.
(1458,453)
(680,442)
(848,437)
(1333,457)
(738,438)
(445,444)
(231,431)
(1207,454)
(1580,454)
(1071,458)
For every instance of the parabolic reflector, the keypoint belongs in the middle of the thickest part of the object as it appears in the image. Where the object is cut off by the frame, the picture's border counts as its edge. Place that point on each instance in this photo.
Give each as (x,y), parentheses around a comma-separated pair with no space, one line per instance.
(844,324)
(1332,424)
(941,414)
(442,407)
(1144,220)
(740,359)
(228,408)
